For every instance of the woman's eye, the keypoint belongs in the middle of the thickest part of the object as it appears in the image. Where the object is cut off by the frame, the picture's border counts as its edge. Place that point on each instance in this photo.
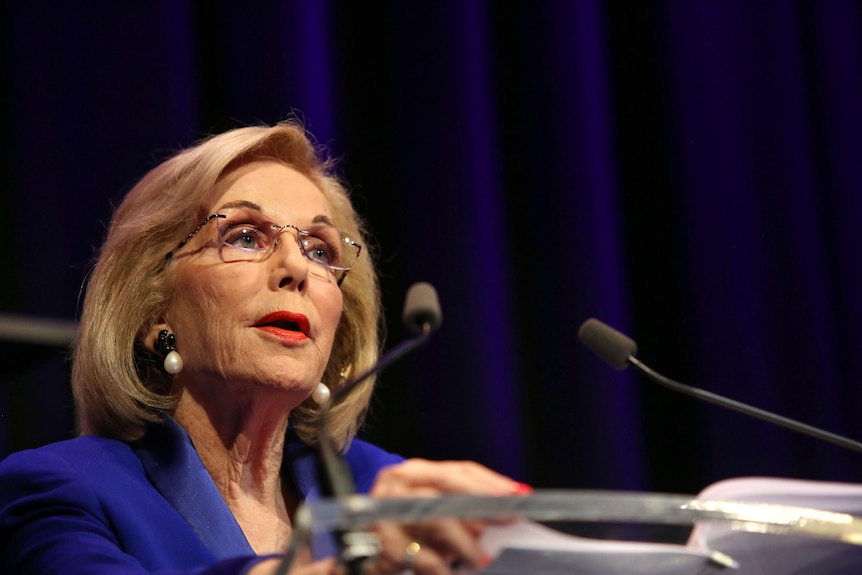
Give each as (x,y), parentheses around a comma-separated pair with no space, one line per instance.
(246,237)
(320,251)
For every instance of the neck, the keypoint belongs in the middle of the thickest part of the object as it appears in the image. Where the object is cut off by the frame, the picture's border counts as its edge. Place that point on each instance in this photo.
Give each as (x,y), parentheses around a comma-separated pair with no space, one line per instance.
(242,445)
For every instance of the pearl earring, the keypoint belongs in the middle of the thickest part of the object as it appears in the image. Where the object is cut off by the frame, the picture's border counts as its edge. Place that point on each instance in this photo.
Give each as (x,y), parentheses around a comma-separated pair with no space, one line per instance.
(166,343)
(321,394)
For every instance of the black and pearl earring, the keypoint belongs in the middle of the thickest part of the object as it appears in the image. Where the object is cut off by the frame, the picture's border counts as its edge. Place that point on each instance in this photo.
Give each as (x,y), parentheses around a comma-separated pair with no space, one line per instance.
(166,344)
(321,394)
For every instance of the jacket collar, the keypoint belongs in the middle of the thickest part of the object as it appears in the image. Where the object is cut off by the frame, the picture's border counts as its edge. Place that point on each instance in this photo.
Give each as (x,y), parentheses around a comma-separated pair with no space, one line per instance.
(177,472)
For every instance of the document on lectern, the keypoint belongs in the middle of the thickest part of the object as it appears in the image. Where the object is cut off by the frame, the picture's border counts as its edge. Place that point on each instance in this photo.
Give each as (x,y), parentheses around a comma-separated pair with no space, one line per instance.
(526,547)
(783,554)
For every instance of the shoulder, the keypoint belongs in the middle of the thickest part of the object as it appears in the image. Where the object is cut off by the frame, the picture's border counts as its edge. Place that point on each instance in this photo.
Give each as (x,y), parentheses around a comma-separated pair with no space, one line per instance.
(90,498)
(88,455)
(90,475)
(366,460)
(76,469)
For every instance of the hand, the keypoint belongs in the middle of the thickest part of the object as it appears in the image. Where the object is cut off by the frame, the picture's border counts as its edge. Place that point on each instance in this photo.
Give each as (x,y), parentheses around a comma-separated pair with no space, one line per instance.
(324,567)
(432,547)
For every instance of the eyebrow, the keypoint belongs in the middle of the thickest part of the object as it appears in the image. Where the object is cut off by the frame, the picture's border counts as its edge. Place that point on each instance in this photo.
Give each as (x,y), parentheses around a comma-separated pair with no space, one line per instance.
(319,219)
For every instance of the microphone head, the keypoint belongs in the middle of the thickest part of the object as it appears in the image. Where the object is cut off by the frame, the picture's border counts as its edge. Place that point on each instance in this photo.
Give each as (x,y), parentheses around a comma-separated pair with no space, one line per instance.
(606,342)
(422,308)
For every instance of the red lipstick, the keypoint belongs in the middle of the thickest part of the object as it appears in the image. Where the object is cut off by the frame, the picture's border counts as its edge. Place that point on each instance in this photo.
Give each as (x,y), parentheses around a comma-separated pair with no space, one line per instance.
(285,325)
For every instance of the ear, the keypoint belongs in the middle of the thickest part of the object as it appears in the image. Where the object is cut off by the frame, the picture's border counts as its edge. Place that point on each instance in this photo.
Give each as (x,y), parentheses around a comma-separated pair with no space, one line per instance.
(151,334)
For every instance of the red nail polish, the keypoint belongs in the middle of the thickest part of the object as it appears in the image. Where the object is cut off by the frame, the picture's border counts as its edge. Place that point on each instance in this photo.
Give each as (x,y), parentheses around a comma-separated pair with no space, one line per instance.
(518,488)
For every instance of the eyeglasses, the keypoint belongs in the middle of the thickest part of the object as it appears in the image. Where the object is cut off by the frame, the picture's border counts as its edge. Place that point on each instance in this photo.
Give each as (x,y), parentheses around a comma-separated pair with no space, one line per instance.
(247,235)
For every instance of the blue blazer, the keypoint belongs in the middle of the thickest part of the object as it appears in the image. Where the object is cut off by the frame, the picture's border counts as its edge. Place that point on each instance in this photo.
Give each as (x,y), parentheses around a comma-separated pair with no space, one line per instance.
(97,506)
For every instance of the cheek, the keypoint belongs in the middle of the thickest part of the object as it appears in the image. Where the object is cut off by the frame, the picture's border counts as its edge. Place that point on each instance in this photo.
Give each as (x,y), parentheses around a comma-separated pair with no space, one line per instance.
(332,308)
(194,296)
(203,304)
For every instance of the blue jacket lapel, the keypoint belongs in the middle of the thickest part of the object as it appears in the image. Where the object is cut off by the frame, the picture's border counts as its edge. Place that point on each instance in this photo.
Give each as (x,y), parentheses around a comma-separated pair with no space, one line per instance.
(176,470)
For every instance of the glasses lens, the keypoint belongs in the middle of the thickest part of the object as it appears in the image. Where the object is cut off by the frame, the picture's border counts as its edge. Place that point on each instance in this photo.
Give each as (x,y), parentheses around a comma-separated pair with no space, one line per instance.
(329,247)
(247,234)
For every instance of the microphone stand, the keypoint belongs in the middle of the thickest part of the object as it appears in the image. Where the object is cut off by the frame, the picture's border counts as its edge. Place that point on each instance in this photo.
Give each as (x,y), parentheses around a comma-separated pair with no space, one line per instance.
(356,547)
(422,315)
(337,472)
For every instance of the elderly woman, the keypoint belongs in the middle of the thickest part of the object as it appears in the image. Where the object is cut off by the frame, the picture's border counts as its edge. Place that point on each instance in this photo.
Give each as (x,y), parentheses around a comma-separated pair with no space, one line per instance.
(234,292)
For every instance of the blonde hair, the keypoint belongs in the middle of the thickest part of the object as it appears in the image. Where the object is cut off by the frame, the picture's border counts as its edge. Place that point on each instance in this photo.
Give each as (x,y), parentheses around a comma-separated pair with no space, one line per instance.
(117,384)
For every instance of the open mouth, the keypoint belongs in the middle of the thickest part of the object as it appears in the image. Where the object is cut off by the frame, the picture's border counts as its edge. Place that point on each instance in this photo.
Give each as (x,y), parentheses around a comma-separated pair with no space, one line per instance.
(284,324)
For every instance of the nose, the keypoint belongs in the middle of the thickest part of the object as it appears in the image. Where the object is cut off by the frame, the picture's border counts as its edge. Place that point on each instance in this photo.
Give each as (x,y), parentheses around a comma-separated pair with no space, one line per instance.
(290,266)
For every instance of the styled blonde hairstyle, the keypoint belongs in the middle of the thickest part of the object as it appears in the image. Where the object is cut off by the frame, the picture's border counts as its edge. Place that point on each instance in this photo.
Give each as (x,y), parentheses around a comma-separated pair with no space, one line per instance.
(117,384)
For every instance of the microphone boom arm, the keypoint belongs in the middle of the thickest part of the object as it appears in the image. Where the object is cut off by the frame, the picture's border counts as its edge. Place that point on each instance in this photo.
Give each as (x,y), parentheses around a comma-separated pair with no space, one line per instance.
(744,408)
(339,475)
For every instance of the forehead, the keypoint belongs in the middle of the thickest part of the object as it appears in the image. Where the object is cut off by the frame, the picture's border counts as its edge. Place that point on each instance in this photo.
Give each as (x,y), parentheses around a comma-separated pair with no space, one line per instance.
(280,190)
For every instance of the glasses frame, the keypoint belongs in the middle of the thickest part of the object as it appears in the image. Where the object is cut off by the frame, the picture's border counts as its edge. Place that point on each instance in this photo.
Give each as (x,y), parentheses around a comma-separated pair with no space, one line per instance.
(279,229)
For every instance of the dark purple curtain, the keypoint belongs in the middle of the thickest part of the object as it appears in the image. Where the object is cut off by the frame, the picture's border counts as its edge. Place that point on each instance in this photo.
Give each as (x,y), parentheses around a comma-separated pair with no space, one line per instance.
(688,171)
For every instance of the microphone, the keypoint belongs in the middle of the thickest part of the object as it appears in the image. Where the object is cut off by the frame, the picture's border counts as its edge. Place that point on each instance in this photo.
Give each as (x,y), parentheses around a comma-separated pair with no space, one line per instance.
(619,351)
(422,308)
(422,315)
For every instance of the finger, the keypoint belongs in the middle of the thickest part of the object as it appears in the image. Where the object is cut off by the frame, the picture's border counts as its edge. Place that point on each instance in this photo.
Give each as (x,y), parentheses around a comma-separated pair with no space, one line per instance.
(445,476)
(323,567)
(399,553)
(451,539)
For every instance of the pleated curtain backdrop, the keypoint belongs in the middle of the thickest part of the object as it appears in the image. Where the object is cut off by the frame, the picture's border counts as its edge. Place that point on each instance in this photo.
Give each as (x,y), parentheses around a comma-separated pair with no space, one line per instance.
(687,171)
